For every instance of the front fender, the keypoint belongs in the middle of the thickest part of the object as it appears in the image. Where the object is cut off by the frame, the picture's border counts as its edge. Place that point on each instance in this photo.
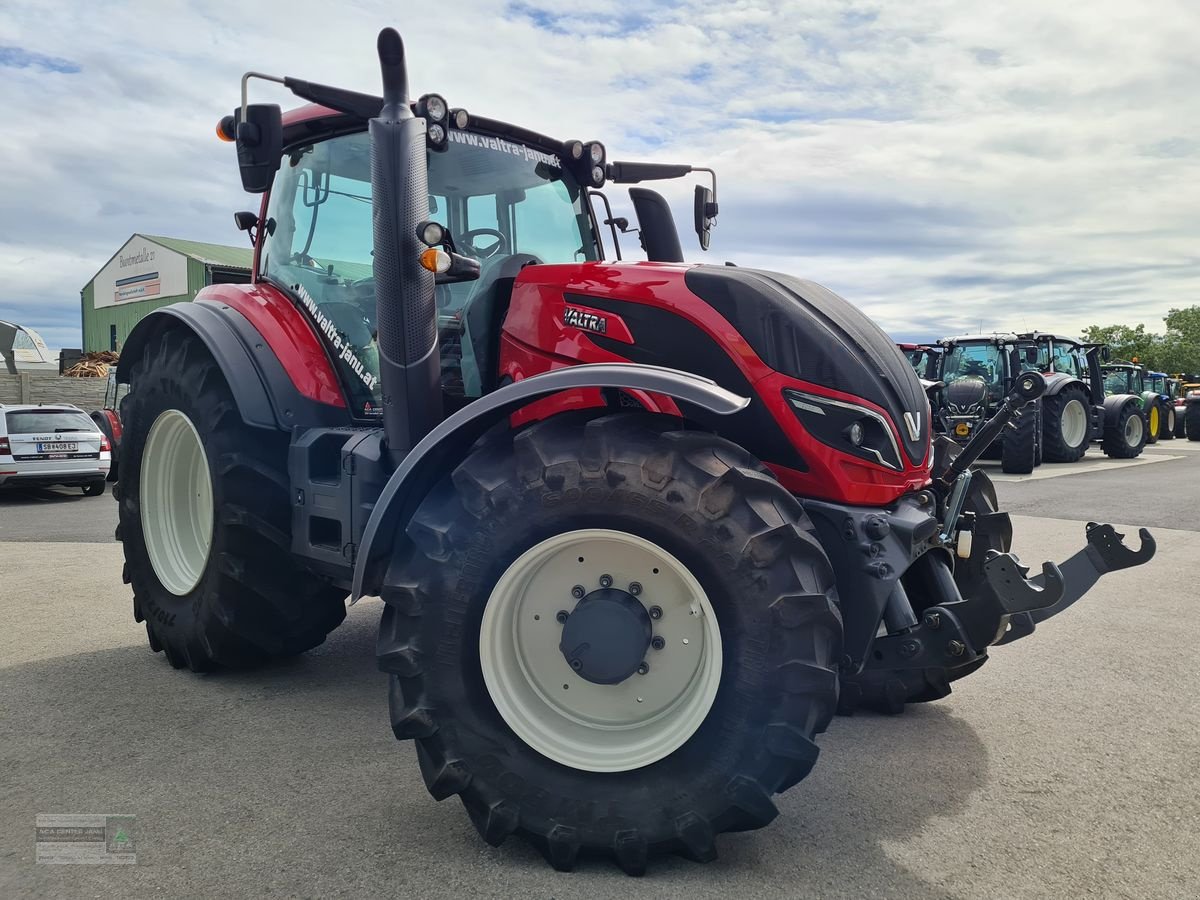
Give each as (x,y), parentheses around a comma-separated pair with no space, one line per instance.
(449,442)
(1117,402)
(1057,381)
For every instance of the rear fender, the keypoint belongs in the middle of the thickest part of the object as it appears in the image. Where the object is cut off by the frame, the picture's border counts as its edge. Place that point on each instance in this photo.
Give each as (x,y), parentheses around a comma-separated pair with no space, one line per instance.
(450,441)
(265,395)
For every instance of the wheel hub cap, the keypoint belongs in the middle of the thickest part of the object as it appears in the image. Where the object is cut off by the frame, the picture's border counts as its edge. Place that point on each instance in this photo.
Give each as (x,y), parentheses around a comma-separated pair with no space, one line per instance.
(607,636)
(600,650)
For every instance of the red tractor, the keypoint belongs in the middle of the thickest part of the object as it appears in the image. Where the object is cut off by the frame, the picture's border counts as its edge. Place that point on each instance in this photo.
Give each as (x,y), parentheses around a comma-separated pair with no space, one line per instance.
(640,529)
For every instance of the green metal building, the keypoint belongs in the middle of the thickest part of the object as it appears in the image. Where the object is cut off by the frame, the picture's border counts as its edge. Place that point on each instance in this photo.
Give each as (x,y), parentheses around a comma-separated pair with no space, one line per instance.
(149,272)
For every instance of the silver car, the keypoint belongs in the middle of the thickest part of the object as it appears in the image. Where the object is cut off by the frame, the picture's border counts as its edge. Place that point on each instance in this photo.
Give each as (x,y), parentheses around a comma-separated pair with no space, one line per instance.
(52,444)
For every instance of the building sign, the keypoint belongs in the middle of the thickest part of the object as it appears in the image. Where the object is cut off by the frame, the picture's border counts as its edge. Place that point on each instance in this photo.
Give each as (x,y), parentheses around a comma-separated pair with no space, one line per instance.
(141,270)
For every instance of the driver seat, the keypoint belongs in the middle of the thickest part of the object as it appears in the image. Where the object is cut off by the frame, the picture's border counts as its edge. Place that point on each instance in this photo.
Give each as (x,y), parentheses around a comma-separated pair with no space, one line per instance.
(483,315)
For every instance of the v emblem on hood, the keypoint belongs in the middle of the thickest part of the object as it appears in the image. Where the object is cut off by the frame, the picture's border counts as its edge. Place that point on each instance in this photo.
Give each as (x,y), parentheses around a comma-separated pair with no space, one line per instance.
(912,421)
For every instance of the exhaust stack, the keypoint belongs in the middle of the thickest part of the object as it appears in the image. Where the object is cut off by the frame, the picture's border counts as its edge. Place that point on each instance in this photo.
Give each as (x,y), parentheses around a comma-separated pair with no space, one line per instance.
(406,317)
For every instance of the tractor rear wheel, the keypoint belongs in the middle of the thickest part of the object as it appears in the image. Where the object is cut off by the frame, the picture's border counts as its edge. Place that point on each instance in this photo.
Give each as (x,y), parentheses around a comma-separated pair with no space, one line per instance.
(611,639)
(205,520)
(1181,422)
(1125,437)
(1065,425)
(1019,447)
(1191,421)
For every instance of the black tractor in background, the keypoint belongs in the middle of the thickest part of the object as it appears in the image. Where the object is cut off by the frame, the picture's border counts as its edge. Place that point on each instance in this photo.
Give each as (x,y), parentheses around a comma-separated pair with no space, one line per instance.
(1075,407)
(976,373)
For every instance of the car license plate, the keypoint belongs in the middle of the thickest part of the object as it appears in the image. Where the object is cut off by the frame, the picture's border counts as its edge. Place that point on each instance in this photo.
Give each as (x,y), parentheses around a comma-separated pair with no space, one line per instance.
(58,447)
(962,429)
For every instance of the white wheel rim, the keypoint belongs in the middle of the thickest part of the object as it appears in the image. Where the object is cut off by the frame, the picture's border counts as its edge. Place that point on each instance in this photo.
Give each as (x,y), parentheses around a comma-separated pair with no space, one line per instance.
(1133,430)
(1074,423)
(176,502)
(560,714)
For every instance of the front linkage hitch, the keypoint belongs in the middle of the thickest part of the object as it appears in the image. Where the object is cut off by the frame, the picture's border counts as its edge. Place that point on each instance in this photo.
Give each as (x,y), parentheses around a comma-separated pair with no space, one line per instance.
(955,632)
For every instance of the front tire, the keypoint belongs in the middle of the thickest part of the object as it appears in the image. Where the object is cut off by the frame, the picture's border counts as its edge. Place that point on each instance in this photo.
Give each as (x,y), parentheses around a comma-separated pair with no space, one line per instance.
(1167,431)
(1066,421)
(1191,421)
(1019,447)
(1154,420)
(1125,437)
(205,520)
(706,536)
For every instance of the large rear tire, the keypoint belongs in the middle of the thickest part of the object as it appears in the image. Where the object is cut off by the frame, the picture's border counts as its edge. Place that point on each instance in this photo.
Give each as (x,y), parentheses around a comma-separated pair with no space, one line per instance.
(1019,446)
(205,521)
(1125,436)
(505,706)
(1065,425)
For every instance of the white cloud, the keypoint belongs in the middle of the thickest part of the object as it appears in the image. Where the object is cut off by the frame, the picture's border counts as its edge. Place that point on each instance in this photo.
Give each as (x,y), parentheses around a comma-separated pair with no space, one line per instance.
(943,165)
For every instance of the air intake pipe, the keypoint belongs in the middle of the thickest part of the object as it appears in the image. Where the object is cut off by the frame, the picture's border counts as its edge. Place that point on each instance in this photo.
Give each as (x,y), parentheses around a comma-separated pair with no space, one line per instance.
(409,367)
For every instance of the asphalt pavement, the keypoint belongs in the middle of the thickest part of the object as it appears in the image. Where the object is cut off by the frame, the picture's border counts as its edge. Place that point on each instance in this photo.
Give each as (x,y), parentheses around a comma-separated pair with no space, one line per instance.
(1067,766)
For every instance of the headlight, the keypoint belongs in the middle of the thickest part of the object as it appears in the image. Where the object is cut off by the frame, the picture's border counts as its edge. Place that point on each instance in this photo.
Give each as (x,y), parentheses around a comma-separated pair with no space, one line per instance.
(596,153)
(837,424)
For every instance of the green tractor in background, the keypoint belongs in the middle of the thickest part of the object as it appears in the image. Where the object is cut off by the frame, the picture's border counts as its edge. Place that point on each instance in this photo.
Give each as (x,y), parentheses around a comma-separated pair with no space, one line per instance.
(1122,377)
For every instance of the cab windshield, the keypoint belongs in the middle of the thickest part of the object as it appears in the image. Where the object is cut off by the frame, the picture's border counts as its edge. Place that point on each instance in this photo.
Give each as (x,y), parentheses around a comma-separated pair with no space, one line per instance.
(978,360)
(500,201)
(1119,381)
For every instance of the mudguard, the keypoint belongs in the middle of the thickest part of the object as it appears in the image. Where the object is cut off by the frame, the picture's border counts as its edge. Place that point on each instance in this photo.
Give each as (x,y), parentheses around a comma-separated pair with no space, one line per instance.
(1115,403)
(449,442)
(1057,381)
(265,395)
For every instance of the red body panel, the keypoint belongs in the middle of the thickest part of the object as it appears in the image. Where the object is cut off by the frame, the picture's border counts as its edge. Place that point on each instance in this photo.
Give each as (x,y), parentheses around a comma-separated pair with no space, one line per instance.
(114,423)
(536,339)
(287,332)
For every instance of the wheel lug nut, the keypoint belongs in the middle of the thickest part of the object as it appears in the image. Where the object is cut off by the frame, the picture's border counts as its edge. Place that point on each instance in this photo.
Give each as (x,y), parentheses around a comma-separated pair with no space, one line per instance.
(577,592)
(635,588)
(658,643)
(643,668)
(561,616)
(605,581)
(656,612)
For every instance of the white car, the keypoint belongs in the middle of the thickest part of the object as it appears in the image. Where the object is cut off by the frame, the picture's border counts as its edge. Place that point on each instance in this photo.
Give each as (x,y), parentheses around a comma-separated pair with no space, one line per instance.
(52,444)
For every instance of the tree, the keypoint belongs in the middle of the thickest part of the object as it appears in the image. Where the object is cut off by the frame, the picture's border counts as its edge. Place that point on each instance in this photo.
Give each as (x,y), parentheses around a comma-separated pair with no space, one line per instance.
(1178,350)
(1125,342)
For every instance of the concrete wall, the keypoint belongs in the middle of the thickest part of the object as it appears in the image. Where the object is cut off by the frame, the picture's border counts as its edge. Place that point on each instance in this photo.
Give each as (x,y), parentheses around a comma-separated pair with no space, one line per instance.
(86,393)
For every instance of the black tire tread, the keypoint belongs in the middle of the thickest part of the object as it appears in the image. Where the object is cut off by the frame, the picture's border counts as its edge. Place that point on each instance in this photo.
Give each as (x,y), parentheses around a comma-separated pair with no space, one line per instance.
(1054,449)
(727,486)
(255,601)
(1113,443)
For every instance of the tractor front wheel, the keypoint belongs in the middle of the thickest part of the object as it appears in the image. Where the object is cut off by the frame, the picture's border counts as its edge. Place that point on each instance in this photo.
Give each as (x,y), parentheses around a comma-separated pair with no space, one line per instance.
(1191,421)
(1125,436)
(611,639)
(1153,422)
(1167,430)
(1019,447)
(1066,425)
(205,520)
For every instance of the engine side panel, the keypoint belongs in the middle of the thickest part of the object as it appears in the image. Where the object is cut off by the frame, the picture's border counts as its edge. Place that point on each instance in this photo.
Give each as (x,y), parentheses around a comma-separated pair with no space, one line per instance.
(645,313)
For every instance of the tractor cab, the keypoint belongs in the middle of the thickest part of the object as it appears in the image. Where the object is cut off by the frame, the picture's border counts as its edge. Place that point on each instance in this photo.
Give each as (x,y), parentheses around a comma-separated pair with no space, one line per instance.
(1123,378)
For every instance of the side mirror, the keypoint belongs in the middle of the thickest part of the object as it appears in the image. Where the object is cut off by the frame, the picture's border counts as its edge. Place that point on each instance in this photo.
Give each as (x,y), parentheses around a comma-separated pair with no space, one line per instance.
(1105,353)
(705,214)
(259,145)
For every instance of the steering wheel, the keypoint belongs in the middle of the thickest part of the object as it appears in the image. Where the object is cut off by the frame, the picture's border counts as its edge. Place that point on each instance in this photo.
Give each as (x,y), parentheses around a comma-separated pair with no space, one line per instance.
(468,241)
(303,259)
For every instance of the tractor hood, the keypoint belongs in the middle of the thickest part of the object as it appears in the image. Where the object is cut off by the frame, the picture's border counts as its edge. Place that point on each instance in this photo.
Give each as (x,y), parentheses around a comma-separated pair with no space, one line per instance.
(808,332)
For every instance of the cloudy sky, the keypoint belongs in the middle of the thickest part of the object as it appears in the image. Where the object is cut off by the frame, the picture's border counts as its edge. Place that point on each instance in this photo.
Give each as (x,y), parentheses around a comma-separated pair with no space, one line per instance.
(946,164)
